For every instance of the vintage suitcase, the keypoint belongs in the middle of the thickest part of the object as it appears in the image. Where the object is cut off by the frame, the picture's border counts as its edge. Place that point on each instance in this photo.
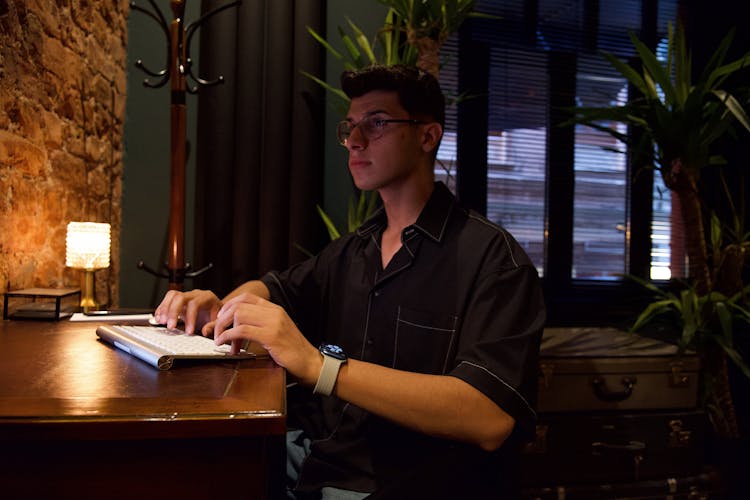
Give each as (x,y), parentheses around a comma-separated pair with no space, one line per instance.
(704,486)
(586,448)
(601,369)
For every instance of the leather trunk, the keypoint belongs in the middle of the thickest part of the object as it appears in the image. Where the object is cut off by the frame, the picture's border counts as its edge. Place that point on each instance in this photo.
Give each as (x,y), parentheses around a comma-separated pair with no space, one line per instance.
(703,486)
(588,448)
(605,369)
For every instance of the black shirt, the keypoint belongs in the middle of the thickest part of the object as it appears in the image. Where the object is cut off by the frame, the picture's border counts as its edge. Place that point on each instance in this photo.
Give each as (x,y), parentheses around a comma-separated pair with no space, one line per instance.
(460,298)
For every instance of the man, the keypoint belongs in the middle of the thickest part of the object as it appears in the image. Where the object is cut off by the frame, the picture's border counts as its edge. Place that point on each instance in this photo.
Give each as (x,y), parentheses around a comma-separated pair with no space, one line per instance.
(430,316)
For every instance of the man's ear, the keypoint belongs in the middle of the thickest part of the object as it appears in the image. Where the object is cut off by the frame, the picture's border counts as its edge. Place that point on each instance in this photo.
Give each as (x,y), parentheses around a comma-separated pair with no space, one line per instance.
(431,135)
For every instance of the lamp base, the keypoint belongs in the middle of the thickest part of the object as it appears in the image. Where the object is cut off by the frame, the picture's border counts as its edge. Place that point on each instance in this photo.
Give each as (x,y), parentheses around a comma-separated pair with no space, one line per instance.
(88,300)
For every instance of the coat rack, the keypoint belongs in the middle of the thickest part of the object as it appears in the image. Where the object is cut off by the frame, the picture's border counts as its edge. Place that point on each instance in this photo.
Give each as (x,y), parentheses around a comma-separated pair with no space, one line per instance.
(176,72)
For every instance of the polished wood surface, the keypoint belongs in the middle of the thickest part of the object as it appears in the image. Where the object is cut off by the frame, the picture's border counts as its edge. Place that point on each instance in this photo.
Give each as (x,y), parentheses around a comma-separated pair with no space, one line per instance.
(85,412)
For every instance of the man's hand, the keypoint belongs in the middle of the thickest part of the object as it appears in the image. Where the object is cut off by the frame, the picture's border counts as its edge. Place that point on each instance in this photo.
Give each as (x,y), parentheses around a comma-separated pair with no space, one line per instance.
(197,308)
(249,317)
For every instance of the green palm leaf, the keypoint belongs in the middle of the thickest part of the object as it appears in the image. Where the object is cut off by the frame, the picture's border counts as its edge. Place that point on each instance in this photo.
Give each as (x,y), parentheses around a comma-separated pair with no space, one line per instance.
(325,85)
(363,42)
(655,71)
(734,107)
(333,233)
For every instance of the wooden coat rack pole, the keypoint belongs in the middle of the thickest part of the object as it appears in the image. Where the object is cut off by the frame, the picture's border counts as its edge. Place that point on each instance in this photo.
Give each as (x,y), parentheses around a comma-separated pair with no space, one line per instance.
(179,67)
(176,267)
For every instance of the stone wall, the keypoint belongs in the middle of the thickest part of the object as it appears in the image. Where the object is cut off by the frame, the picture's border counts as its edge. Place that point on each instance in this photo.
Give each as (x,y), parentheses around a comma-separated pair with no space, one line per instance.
(62,104)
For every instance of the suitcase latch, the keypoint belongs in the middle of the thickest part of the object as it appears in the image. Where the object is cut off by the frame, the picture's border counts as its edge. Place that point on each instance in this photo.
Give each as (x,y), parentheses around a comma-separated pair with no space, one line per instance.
(678,438)
(678,378)
(546,370)
(635,449)
(539,446)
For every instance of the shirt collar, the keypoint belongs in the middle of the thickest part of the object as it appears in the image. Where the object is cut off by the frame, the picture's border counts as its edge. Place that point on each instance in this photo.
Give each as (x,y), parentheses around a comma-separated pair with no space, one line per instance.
(431,221)
(373,223)
(434,217)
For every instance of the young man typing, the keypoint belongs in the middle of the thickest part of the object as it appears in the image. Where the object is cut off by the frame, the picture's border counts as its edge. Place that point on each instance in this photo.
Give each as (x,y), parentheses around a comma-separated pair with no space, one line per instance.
(414,340)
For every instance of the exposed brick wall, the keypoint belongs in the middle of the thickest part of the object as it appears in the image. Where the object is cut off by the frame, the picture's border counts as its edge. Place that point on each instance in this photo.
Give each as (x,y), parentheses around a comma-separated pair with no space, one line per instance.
(62,104)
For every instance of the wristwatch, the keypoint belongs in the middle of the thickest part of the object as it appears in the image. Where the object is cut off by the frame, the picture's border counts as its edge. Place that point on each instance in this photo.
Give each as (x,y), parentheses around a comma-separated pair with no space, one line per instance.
(333,358)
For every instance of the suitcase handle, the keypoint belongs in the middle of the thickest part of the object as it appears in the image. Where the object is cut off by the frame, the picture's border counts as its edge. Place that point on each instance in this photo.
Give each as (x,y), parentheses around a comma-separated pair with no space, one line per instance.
(604,394)
(599,448)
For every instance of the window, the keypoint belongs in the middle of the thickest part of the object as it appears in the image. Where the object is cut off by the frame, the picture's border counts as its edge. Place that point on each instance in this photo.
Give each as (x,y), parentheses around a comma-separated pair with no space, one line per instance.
(567,195)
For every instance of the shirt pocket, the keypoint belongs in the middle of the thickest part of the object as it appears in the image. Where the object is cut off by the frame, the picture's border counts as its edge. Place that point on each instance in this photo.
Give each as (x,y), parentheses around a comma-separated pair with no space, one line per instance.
(424,341)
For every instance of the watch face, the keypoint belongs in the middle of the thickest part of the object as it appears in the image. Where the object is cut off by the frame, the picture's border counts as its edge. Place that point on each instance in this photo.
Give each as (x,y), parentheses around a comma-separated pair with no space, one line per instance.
(333,350)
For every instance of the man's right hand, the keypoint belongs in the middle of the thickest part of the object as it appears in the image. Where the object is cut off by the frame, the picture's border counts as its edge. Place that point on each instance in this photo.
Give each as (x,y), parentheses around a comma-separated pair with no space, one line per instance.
(196,308)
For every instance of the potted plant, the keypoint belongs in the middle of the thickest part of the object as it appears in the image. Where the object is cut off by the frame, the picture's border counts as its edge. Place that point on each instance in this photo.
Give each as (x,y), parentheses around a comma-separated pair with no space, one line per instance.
(681,119)
(429,23)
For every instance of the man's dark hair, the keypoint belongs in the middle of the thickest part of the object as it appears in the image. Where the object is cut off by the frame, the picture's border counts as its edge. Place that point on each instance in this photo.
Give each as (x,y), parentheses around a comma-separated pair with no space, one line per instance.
(418,91)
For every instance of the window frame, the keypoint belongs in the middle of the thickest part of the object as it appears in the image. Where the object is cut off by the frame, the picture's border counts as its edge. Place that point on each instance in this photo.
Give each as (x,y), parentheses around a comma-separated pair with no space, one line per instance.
(569,301)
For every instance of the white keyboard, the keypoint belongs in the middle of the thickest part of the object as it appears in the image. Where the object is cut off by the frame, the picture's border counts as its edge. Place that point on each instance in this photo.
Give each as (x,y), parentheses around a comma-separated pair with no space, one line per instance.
(175,341)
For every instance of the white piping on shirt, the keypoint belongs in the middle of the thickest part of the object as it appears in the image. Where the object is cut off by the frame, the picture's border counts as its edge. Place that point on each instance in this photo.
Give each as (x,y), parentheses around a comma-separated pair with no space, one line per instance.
(445,224)
(425,326)
(367,325)
(450,345)
(499,229)
(502,382)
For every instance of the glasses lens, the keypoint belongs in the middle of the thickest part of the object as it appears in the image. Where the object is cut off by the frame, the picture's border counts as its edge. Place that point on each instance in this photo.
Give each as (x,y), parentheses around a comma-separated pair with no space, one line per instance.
(371,127)
(343,131)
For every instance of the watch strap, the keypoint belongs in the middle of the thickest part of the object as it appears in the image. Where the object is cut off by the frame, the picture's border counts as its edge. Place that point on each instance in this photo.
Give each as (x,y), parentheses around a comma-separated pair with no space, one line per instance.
(328,375)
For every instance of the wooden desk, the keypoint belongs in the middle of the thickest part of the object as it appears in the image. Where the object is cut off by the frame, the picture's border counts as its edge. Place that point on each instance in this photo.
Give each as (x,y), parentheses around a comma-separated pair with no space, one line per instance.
(81,419)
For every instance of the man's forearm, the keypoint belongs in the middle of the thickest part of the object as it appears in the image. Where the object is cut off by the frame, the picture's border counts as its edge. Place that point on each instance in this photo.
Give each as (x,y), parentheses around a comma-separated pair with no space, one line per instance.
(437,405)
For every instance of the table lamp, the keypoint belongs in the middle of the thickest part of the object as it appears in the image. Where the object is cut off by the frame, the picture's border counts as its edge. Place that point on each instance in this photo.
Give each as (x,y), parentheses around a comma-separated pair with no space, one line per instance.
(87,248)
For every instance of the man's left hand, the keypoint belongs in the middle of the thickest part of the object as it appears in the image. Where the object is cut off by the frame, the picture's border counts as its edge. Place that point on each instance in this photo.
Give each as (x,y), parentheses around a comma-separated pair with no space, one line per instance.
(249,317)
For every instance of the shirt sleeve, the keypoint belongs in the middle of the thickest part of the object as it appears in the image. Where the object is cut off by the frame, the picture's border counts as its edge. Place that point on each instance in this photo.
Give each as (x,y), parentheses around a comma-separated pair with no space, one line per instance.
(498,349)
(297,290)
(302,288)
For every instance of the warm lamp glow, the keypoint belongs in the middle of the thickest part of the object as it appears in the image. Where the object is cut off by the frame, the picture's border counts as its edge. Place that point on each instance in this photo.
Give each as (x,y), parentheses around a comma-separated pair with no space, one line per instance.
(87,247)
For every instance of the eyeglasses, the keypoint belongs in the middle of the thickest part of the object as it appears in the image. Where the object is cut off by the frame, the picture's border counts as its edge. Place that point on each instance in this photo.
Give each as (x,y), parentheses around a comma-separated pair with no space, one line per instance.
(371,127)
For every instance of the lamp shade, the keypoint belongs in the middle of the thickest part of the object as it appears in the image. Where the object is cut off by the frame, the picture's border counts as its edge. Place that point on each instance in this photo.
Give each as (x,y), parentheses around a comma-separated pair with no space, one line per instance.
(87,245)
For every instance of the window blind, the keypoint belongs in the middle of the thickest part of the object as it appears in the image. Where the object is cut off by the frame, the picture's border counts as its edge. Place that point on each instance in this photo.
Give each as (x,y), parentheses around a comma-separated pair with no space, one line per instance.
(522,45)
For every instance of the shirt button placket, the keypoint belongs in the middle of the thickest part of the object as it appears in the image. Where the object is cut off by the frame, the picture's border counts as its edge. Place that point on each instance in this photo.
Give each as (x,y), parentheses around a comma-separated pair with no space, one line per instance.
(370,341)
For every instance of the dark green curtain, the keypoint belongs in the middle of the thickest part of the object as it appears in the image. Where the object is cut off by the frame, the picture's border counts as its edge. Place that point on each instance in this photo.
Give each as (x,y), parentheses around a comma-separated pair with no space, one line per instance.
(260,139)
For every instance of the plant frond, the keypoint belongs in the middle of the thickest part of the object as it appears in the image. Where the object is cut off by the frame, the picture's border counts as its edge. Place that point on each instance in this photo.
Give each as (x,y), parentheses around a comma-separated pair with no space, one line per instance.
(335,90)
(648,285)
(386,36)
(734,107)
(718,75)
(724,316)
(651,311)
(736,358)
(739,312)
(304,250)
(715,231)
(354,53)
(335,53)
(653,68)
(742,293)
(362,41)
(630,74)
(717,59)
(333,233)
(682,64)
